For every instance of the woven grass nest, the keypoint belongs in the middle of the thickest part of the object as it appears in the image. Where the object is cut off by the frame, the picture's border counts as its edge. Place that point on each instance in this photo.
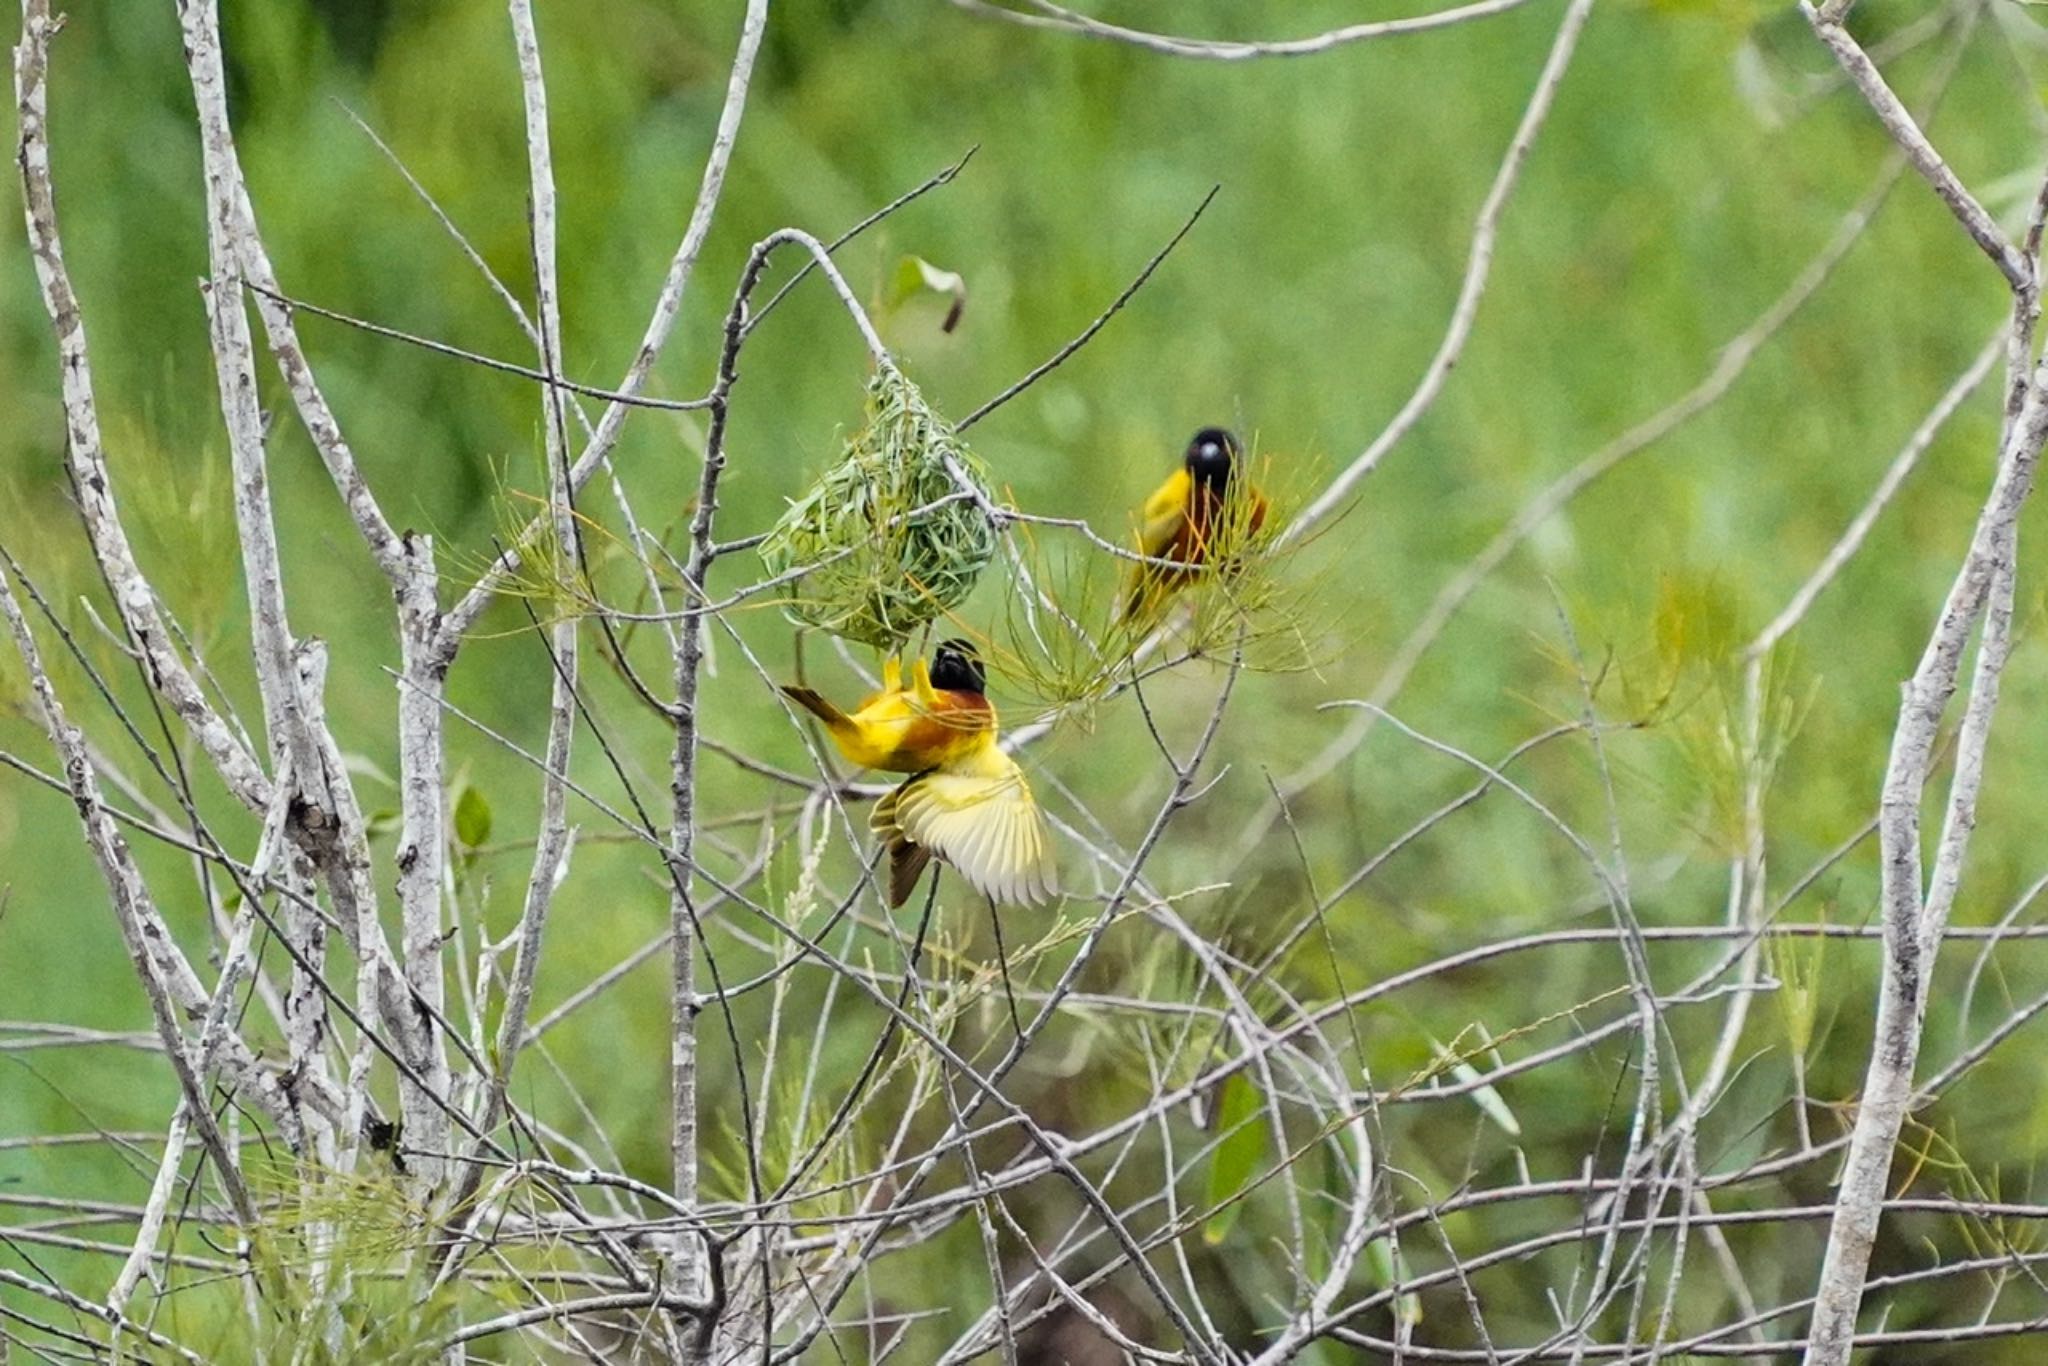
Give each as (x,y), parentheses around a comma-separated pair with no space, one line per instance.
(885,562)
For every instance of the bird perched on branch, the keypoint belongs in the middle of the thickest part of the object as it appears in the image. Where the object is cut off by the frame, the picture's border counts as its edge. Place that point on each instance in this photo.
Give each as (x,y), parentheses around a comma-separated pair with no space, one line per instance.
(1200,516)
(966,801)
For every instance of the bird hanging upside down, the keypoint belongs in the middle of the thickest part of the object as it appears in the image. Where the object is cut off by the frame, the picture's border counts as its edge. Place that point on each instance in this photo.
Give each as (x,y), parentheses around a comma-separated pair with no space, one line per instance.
(966,800)
(1203,510)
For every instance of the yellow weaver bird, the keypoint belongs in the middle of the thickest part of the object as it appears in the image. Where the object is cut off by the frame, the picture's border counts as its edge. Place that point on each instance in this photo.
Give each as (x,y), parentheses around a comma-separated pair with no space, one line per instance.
(1201,504)
(966,801)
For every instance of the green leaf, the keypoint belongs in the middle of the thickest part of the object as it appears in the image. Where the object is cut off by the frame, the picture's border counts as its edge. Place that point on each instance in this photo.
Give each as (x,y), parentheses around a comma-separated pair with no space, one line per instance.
(1798,964)
(915,275)
(363,766)
(1236,1158)
(1485,1097)
(1385,1262)
(472,817)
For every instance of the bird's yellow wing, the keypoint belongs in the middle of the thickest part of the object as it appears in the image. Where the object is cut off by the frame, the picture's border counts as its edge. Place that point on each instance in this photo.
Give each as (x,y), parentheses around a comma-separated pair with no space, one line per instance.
(1164,514)
(980,818)
(1161,523)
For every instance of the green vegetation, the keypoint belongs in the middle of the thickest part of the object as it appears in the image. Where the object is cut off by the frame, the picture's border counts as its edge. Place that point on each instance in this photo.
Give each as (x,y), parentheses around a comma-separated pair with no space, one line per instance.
(1697,160)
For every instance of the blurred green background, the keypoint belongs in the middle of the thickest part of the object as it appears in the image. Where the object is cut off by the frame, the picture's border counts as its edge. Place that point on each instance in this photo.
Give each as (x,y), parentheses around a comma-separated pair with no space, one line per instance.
(1696,160)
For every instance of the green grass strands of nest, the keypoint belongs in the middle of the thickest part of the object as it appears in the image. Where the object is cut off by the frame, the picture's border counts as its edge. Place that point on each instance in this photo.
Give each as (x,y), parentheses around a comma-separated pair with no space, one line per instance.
(894,534)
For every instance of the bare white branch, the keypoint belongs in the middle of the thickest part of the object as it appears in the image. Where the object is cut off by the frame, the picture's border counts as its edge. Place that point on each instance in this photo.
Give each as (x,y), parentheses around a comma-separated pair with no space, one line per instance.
(668,306)
(1060,18)
(1914,919)
(1899,122)
(133,596)
(1844,549)
(1478,265)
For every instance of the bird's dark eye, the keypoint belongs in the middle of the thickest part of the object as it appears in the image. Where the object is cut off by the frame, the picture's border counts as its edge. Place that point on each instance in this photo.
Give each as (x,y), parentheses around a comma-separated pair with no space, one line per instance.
(1210,456)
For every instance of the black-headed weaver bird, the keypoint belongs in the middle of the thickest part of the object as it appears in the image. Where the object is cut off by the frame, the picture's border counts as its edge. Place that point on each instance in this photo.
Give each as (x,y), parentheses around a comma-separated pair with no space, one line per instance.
(1205,502)
(966,801)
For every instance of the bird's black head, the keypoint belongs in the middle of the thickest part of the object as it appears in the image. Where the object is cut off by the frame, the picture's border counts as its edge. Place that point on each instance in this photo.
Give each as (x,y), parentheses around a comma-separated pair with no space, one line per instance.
(1212,458)
(956,667)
